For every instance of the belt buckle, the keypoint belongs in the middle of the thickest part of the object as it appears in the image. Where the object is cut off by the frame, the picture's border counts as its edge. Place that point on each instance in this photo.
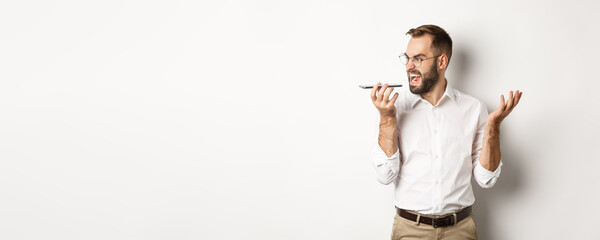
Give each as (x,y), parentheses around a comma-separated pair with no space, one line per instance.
(433,223)
(444,221)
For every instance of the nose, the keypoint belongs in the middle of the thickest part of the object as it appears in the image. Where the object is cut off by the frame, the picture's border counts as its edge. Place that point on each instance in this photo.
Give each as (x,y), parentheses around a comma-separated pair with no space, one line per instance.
(410,64)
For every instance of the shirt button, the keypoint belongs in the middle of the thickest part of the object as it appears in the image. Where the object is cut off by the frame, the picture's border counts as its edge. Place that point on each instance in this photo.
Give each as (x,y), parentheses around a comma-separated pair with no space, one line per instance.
(437,156)
(434,131)
(437,182)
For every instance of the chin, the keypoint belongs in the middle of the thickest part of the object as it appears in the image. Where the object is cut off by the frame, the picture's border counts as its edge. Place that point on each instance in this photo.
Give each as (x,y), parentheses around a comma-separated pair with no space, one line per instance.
(415,89)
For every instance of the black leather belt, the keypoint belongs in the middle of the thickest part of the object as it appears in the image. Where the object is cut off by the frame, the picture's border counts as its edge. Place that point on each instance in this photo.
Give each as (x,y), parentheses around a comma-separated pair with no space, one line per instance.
(436,222)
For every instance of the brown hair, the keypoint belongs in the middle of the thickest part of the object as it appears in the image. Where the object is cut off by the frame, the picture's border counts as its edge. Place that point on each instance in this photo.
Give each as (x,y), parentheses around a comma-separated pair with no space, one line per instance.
(441,43)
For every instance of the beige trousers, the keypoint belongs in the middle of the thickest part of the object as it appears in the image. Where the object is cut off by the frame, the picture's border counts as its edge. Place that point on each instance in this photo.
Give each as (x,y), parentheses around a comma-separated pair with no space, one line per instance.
(405,229)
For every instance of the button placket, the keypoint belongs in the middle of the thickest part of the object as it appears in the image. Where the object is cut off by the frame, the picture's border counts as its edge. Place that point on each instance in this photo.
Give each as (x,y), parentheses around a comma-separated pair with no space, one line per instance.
(436,173)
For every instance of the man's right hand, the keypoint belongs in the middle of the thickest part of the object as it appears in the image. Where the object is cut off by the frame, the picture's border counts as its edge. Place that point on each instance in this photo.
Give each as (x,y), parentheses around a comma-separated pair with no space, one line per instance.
(388,134)
(381,99)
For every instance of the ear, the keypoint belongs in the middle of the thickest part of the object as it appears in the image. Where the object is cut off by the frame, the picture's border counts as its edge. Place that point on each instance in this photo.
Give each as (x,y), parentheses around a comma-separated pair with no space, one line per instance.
(443,61)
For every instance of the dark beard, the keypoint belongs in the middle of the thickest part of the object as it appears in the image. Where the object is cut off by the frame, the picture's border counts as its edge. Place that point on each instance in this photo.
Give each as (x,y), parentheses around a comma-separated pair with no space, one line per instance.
(427,81)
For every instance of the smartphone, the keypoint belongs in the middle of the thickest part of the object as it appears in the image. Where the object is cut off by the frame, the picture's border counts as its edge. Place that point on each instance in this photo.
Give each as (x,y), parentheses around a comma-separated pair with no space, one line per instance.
(371,86)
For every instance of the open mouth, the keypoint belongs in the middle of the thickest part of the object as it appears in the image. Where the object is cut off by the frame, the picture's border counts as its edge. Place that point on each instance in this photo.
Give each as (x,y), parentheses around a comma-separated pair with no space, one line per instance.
(414,79)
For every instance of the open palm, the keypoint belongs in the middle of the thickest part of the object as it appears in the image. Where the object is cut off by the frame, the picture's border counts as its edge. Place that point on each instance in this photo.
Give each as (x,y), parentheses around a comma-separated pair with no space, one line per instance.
(505,107)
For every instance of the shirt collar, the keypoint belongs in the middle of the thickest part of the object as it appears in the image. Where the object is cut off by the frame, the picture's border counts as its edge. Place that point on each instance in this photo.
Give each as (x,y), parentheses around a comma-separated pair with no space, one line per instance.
(414,98)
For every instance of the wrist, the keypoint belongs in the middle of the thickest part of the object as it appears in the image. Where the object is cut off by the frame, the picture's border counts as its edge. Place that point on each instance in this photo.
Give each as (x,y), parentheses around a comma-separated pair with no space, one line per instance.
(494,123)
(387,120)
(492,129)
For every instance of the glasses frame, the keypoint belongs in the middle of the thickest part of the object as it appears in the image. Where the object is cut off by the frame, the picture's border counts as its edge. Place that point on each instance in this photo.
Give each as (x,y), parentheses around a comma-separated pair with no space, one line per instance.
(416,61)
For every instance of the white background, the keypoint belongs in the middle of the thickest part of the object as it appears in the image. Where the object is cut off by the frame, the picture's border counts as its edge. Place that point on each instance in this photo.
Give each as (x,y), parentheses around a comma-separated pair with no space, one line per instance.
(243,119)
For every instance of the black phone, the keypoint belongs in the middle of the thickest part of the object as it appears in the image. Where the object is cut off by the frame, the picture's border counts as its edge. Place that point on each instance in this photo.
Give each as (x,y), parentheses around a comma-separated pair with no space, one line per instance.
(371,86)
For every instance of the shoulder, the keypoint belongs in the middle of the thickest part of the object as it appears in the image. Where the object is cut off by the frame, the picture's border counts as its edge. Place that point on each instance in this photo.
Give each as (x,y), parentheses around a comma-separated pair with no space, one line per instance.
(469,102)
(466,99)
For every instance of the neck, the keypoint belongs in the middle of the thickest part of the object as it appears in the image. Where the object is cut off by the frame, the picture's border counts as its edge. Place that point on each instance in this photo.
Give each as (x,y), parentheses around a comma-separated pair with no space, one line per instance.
(436,92)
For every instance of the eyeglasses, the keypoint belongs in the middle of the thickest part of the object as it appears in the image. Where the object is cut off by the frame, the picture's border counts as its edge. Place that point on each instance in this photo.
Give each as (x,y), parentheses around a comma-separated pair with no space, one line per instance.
(418,61)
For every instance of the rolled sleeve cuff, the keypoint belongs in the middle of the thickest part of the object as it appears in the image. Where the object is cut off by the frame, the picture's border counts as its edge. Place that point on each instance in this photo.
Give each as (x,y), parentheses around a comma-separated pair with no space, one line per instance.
(380,158)
(386,168)
(487,178)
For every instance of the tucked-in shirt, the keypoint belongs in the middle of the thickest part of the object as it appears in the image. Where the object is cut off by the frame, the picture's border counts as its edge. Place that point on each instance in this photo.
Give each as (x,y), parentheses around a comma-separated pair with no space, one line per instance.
(439,148)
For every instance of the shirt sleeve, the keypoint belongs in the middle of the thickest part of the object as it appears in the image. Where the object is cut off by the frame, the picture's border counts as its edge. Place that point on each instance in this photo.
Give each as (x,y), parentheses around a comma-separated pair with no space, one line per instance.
(484,177)
(386,168)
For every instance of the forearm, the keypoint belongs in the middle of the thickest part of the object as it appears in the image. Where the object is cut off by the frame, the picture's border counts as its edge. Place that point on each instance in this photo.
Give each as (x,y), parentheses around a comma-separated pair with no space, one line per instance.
(490,152)
(388,135)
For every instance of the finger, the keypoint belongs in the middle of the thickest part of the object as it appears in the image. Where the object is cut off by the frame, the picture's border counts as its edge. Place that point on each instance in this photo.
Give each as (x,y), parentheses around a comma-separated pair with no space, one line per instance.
(386,96)
(381,92)
(393,100)
(501,107)
(515,100)
(518,97)
(509,102)
(374,92)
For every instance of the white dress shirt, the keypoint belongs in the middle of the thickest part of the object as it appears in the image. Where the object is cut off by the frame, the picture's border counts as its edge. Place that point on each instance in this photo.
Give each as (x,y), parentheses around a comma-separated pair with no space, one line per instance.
(439,148)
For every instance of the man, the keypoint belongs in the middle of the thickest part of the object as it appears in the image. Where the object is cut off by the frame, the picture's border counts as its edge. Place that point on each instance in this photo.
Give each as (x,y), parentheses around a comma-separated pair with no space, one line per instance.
(432,141)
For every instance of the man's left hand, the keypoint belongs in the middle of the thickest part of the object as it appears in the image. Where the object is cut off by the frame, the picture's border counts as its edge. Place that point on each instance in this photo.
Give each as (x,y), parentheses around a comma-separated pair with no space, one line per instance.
(505,108)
